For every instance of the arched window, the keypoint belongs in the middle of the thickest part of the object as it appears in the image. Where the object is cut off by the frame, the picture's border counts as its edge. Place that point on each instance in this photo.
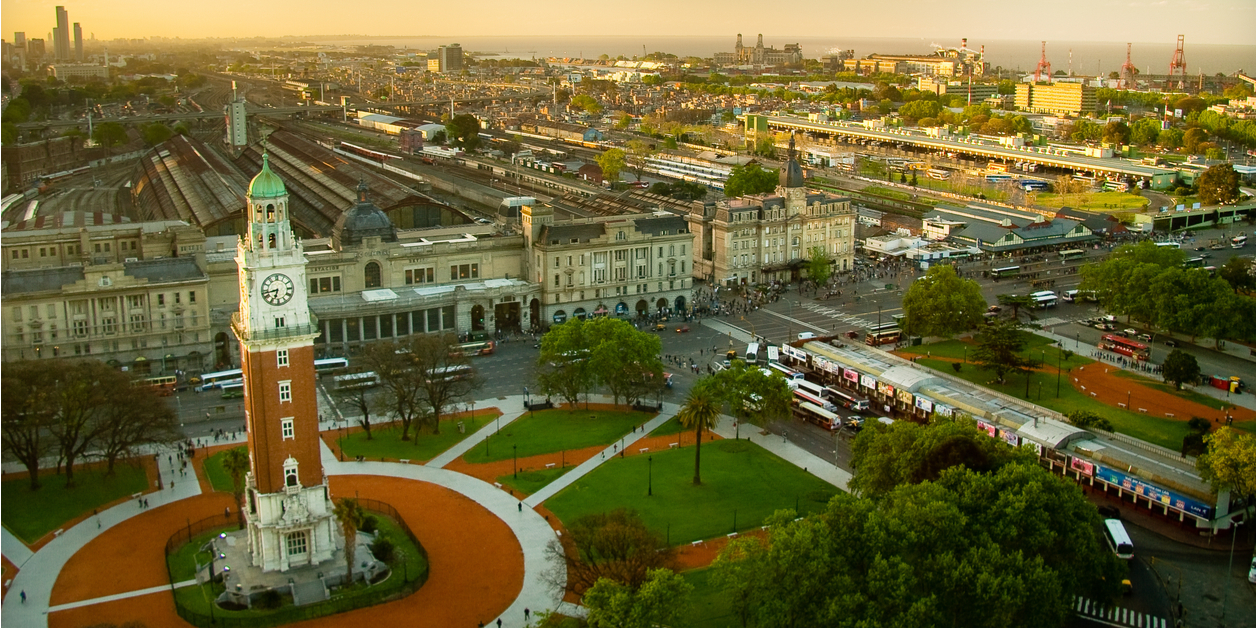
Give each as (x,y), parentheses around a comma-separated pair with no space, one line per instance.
(372,275)
(270,212)
(271,244)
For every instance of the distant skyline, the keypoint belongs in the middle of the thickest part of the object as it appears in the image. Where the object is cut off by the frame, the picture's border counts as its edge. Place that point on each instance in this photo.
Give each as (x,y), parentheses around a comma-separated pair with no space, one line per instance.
(1202,21)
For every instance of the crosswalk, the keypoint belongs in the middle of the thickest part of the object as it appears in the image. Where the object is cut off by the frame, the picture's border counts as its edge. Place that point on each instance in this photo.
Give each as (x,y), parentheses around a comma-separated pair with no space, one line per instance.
(1115,615)
(824,310)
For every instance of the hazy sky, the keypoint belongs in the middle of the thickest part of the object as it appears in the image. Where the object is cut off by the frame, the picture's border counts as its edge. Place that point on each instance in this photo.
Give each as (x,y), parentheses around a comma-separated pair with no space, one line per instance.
(1211,21)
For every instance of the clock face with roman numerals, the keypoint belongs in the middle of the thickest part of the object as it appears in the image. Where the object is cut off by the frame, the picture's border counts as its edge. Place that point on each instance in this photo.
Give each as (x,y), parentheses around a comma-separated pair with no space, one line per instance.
(277,289)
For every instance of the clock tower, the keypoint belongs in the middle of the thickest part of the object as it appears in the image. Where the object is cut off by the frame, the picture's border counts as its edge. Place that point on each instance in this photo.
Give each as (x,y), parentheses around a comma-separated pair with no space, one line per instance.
(288,506)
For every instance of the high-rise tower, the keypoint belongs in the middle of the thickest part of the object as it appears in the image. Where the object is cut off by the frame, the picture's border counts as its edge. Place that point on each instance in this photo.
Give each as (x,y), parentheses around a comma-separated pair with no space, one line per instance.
(289,509)
(61,36)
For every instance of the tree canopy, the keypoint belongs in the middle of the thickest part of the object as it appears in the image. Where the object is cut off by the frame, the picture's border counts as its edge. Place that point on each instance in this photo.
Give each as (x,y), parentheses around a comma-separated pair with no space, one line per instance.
(942,304)
(750,179)
(1009,547)
(463,131)
(1218,185)
(998,347)
(580,354)
(612,163)
(662,600)
(819,266)
(1180,368)
(1230,461)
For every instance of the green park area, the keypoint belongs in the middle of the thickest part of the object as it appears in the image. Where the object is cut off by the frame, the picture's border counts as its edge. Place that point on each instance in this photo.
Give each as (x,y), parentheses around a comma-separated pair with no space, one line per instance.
(1042,385)
(742,484)
(217,475)
(1094,201)
(1186,393)
(708,604)
(385,441)
(32,514)
(407,561)
(529,482)
(551,431)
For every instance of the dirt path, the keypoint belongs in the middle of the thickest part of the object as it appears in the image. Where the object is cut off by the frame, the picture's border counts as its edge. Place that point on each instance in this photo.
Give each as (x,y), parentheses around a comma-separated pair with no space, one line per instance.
(476,563)
(1100,381)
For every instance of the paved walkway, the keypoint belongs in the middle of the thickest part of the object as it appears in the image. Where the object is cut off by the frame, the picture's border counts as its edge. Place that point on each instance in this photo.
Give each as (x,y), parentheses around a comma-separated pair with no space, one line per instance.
(511,408)
(788,451)
(38,572)
(530,528)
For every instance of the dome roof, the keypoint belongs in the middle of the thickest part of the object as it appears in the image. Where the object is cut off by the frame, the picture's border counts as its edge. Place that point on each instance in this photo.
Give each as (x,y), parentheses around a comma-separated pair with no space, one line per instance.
(363,220)
(791,172)
(266,184)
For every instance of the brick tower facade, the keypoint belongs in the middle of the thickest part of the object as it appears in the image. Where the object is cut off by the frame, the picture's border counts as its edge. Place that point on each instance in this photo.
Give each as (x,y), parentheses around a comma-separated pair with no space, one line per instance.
(289,509)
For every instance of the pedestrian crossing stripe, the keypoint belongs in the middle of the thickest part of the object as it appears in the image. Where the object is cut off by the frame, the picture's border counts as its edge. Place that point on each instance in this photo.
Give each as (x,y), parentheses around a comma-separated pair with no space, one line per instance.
(1116,615)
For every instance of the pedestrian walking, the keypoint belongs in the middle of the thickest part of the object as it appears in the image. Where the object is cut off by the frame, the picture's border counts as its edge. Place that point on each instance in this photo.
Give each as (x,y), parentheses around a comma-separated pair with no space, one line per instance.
(499,622)
(526,614)
(24,601)
(520,506)
(146,503)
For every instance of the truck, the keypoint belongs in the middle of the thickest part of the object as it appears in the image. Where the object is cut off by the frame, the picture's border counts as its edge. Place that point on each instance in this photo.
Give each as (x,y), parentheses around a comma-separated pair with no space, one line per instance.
(1232,384)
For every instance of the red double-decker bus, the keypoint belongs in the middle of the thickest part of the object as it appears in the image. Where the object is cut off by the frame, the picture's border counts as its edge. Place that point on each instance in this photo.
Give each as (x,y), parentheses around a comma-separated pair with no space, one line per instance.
(1125,346)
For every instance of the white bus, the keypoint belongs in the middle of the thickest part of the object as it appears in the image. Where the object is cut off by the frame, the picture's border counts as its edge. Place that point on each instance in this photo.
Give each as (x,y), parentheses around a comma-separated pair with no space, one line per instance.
(458,371)
(330,364)
(847,400)
(210,381)
(1118,539)
(1044,299)
(811,387)
(785,370)
(752,353)
(1070,296)
(1172,245)
(808,411)
(354,381)
(805,397)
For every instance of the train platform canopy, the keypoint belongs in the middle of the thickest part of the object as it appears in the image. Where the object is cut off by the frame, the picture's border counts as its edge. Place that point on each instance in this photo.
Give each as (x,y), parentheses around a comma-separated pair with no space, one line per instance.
(993,228)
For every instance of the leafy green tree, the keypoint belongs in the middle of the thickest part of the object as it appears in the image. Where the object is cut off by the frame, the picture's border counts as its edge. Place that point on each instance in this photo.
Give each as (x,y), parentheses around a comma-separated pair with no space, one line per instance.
(1237,272)
(18,111)
(9,134)
(29,411)
(1116,132)
(1009,547)
(400,381)
(612,163)
(638,152)
(109,134)
(624,359)
(1016,302)
(750,179)
(1180,368)
(615,546)
(437,353)
(463,131)
(1170,138)
(1219,185)
(156,133)
(563,366)
(700,413)
(1086,420)
(662,600)
(765,147)
(1230,462)
(918,109)
(819,266)
(350,515)
(750,395)
(910,453)
(586,103)
(1192,138)
(235,461)
(1145,131)
(998,347)
(942,304)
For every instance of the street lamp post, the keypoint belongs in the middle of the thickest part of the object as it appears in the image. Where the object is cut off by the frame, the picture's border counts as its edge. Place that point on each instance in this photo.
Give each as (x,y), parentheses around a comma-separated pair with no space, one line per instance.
(650,489)
(1059,356)
(1234,533)
(1128,395)
(515,447)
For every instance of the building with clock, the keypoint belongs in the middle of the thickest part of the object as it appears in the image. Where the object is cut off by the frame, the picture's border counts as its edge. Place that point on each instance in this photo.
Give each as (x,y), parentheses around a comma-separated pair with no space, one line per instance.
(289,508)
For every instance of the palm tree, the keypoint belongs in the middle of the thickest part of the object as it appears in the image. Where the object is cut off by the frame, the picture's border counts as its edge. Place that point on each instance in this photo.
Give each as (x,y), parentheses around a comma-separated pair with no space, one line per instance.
(350,516)
(236,462)
(700,412)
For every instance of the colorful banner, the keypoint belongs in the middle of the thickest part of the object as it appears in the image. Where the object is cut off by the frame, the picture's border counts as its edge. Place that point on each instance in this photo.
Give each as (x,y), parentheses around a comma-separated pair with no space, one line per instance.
(904,396)
(924,404)
(1153,492)
(867,381)
(986,427)
(1011,438)
(851,375)
(1081,466)
(942,410)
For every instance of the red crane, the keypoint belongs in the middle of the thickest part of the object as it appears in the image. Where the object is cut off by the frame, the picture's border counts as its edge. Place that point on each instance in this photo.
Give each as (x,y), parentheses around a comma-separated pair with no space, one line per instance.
(1178,64)
(1128,71)
(1043,65)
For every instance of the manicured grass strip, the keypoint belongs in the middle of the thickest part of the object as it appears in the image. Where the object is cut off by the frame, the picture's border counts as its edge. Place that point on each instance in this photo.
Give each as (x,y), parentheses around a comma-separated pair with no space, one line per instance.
(530,482)
(32,514)
(1185,393)
(183,561)
(1035,348)
(1164,432)
(551,431)
(217,475)
(1093,200)
(737,477)
(671,426)
(386,440)
(708,604)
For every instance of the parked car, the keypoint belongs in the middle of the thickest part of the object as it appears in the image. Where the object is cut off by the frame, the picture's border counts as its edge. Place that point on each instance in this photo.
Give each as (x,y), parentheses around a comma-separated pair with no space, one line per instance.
(1170,343)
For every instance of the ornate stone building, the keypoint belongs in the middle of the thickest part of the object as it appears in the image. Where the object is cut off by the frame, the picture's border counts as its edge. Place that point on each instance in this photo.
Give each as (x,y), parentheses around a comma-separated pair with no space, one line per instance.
(768,237)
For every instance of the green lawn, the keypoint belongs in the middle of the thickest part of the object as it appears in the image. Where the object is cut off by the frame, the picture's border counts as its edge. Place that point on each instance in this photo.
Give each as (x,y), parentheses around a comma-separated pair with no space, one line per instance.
(530,482)
(708,605)
(740,481)
(218,476)
(1037,348)
(183,561)
(32,514)
(1186,393)
(887,192)
(1098,201)
(1161,431)
(671,426)
(550,431)
(386,440)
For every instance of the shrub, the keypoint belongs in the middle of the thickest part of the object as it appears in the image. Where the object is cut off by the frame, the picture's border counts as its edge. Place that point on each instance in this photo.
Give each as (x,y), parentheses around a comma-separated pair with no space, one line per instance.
(369,524)
(383,549)
(269,600)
